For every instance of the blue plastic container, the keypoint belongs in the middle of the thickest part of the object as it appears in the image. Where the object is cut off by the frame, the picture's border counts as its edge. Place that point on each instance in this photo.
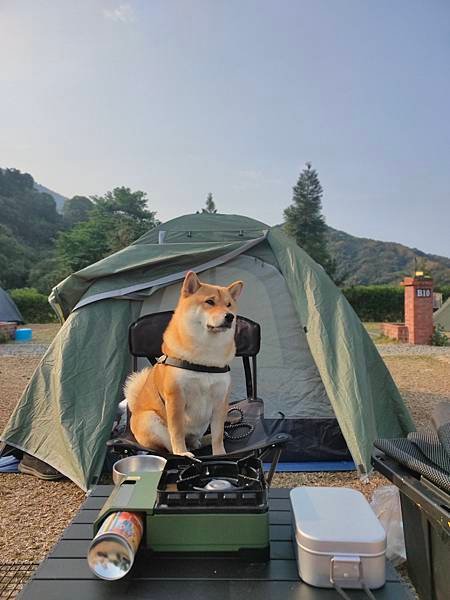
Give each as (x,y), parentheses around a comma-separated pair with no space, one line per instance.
(24,335)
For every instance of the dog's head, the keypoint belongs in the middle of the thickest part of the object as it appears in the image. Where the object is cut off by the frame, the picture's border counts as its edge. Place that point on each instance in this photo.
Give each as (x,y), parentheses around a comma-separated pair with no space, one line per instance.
(212,306)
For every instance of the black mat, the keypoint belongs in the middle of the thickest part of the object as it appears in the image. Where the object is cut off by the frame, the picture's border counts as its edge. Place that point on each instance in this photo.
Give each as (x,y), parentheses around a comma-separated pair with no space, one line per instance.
(65,573)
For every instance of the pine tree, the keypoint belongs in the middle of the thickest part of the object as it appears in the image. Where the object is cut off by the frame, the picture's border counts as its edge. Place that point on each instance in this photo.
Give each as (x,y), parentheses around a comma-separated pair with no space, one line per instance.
(304,220)
(210,205)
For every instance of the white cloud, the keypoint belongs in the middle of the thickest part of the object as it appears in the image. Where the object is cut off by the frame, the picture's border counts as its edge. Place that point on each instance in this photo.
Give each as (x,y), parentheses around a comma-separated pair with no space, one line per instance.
(121,14)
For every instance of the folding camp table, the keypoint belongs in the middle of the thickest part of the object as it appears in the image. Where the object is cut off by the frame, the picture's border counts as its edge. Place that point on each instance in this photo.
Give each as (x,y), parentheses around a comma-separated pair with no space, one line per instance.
(65,575)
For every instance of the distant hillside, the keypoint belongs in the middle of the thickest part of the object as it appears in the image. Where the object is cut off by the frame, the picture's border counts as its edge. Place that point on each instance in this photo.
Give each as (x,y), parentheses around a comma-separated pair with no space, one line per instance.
(57,197)
(364,261)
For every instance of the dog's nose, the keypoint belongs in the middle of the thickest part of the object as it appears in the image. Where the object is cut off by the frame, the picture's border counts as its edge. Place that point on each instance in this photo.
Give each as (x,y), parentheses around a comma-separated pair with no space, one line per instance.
(229,317)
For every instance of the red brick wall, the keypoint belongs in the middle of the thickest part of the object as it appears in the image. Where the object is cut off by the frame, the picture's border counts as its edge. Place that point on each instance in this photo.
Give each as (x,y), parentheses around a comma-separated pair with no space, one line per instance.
(396,331)
(9,328)
(419,309)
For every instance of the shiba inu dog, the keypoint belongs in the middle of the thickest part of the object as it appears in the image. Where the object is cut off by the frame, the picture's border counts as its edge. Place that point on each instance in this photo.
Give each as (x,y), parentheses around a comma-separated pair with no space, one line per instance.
(171,407)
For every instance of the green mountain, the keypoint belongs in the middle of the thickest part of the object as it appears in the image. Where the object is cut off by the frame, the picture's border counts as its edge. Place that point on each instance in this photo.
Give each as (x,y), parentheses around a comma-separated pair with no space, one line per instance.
(59,200)
(362,261)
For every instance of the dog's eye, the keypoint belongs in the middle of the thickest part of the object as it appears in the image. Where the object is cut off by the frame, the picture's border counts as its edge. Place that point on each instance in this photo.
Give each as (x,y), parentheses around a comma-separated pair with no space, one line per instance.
(210,302)
(229,304)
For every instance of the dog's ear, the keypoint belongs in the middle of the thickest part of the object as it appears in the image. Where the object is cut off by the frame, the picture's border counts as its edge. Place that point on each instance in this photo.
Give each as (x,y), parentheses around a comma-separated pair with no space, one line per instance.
(191,284)
(235,289)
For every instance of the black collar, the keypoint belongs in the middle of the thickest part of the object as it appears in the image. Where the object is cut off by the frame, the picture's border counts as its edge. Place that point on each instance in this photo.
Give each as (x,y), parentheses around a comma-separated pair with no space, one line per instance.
(184,364)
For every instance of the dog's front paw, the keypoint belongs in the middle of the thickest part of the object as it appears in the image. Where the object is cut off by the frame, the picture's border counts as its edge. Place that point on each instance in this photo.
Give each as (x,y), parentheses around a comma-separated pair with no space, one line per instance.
(187,453)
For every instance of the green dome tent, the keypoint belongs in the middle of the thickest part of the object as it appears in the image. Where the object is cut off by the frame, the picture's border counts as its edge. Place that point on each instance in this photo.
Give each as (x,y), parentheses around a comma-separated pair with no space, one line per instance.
(317,365)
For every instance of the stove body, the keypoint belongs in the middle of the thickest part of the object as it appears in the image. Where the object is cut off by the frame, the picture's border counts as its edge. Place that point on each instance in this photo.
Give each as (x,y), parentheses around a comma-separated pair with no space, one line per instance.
(217,507)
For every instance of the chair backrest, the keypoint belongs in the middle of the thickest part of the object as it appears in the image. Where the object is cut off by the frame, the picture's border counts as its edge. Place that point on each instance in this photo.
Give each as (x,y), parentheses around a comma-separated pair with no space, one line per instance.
(145,337)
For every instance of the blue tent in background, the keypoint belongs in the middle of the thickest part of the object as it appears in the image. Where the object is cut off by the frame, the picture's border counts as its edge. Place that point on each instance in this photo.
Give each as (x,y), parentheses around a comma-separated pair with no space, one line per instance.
(8,309)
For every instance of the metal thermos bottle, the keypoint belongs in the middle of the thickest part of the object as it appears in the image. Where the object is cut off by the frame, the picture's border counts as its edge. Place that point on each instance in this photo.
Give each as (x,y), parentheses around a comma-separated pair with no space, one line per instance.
(112,551)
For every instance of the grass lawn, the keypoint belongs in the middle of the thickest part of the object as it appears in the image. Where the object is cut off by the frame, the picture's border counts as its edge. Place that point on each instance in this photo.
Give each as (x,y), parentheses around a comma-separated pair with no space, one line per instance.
(374,330)
(43,333)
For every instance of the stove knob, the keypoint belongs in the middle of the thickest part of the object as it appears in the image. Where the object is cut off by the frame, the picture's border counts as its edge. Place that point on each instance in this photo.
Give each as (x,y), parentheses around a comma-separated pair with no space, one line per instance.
(248,497)
(211,498)
(173,499)
(192,497)
(230,496)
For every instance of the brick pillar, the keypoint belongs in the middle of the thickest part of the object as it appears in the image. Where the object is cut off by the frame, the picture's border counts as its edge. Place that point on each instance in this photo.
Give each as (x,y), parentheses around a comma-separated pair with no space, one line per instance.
(419,309)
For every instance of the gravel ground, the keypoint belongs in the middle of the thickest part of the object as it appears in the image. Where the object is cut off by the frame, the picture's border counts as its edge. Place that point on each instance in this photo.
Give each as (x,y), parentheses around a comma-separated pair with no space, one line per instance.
(15,373)
(423,381)
(33,513)
(412,350)
(22,349)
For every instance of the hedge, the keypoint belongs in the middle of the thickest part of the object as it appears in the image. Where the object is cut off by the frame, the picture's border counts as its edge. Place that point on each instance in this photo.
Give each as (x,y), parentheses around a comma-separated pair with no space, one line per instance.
(33,305)
(382,302)
(376,302)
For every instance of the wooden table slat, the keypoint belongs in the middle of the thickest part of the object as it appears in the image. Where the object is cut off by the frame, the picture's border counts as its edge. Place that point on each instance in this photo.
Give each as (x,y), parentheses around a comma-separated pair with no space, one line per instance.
(94,502)
(280,504)
(101,490)
(178,568)
(198,590)
(279,493)
(85,516)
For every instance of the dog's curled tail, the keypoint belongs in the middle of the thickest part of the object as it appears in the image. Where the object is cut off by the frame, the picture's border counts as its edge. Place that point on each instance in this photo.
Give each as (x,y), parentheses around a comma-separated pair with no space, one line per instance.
(134,384)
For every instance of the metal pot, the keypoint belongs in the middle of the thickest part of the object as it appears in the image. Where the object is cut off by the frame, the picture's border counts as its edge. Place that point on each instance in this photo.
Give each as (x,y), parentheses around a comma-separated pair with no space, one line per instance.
(136,464)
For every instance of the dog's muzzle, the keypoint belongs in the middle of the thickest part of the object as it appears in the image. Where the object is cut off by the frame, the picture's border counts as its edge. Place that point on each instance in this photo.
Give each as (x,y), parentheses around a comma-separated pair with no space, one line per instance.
(227,323)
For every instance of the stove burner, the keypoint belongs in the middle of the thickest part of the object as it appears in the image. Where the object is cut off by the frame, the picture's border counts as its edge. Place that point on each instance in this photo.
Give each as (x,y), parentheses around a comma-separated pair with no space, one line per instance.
(241,474)
(212,485)
(219,485)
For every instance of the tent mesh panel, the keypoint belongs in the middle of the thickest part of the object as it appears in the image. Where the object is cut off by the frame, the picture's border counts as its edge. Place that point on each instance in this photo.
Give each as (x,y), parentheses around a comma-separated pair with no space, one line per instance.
(13,577)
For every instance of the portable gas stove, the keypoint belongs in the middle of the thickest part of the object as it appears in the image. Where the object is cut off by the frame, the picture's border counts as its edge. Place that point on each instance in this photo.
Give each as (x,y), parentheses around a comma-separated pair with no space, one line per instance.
(213,506)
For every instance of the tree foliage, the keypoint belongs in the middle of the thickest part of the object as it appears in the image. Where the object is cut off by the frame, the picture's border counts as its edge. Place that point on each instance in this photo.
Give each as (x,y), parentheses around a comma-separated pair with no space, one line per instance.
(304,220)
(210,206)
(47,272)
(76,210)
(31,216)
(29,224)
(15,260)
(115,221)
(84,244)
(39,247)
(33,306)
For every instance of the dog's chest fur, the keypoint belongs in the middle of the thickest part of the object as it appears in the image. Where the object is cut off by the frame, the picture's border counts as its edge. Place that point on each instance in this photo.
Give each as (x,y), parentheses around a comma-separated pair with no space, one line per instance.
(202,392)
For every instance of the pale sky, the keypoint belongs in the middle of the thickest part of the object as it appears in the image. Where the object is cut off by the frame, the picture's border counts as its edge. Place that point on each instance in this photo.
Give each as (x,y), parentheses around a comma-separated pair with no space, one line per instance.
(182,98)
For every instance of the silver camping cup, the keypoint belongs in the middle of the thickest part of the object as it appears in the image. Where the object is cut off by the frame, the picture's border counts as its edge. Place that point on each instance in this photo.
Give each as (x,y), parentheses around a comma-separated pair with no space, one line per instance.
(141,463)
